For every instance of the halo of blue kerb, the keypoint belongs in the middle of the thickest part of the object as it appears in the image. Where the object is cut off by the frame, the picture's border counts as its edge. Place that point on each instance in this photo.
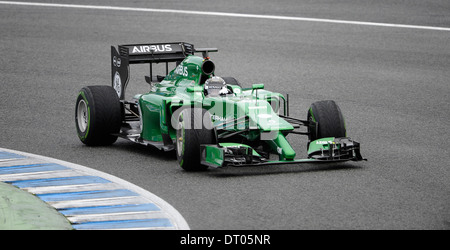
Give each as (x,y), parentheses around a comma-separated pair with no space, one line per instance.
(88,202)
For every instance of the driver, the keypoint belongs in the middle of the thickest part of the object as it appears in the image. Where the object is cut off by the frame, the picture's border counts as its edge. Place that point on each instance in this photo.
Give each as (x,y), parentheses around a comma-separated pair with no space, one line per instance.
(216,86)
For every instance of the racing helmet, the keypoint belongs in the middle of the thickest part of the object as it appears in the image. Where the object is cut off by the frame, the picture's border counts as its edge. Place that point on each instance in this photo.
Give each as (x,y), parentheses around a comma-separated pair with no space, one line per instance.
(215,86)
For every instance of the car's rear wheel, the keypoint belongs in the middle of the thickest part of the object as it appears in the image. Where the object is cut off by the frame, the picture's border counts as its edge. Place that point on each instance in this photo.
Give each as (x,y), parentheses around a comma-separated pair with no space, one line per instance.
(329,119)
(194,127)
(98,115)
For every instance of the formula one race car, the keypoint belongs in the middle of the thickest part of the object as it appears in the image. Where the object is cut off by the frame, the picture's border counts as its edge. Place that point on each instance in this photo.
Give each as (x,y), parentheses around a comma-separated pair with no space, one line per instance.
(210,121)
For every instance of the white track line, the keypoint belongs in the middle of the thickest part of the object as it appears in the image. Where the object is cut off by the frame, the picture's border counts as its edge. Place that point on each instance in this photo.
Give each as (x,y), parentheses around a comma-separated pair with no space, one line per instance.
(209,13)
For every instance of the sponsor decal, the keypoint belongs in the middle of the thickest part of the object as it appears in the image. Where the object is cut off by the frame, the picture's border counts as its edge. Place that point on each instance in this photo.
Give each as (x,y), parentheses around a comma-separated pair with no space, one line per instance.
(211,86)
(117,61)
(279,150)
(181,70)
(218,118)
(325,142)
(144,49)
(117,84)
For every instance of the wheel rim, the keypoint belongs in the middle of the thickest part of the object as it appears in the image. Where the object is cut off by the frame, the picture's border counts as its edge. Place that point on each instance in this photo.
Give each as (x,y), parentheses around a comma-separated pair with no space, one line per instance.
(82,116)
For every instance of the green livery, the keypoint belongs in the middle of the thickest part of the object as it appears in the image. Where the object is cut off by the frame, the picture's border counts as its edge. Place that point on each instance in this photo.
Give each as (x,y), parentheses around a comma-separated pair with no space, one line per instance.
(210,121)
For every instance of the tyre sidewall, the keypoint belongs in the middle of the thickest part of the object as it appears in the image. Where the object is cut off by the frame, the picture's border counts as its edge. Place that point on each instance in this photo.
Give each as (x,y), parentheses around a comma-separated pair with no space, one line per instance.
(86,95)
(330,120)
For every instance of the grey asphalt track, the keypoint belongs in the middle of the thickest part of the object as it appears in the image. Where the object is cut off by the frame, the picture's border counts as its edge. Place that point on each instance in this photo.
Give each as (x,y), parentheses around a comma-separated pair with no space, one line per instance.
(392,85)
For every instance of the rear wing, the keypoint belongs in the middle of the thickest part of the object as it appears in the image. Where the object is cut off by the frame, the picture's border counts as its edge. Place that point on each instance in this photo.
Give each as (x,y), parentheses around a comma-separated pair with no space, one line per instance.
(155,53)
(150,53)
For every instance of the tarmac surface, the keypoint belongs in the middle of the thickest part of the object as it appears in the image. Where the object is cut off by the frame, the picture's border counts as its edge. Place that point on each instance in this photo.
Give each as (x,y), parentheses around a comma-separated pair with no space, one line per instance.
(390,82)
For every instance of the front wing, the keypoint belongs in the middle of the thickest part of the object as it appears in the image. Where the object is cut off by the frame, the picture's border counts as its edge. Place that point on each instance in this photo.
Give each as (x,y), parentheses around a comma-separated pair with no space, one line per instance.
(324,150)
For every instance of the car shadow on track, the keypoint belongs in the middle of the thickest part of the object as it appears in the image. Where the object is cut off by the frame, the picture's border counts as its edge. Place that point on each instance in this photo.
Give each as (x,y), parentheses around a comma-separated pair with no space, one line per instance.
(278,169)
(149,151)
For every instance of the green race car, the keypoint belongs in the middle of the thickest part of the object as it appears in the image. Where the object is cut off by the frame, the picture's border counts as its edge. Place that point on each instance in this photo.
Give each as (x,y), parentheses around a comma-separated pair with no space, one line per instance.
(210,121)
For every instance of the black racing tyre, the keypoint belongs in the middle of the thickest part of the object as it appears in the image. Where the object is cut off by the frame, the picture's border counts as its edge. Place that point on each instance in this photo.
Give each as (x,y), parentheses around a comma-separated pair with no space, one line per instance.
(98,115)
(329,118)
(194,128)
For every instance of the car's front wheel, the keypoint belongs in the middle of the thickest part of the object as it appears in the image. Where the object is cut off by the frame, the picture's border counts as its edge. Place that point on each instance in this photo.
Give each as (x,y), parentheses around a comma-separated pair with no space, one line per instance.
(193,129)
(329,119)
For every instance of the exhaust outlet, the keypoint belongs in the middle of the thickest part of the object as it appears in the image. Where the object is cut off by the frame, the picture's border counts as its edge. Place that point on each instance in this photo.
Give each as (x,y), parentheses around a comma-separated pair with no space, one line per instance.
(208,67)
